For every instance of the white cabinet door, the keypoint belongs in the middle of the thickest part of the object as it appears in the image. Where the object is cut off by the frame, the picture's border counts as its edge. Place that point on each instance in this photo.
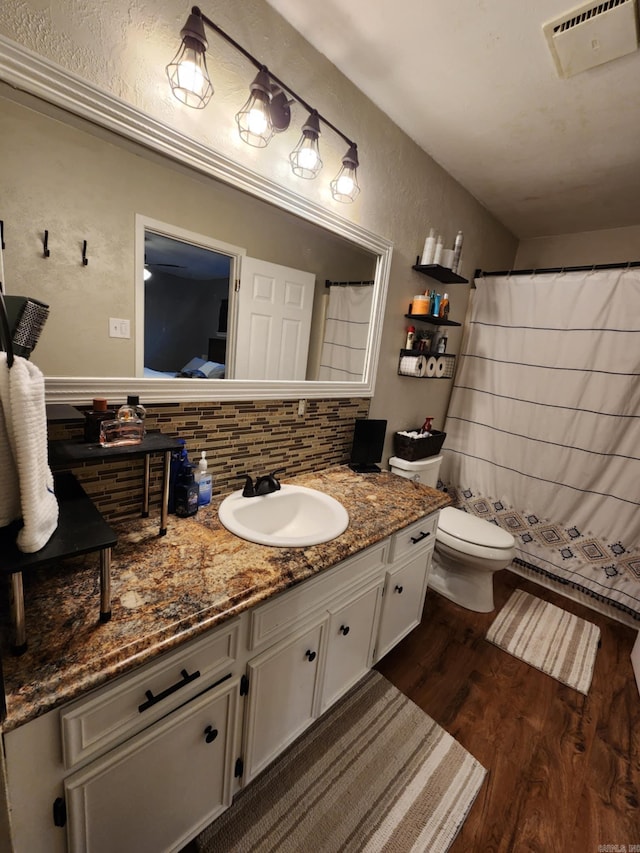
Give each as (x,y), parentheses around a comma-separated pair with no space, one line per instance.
(351,637)
(283,685)
(403,601)
(157,790)
(275,304)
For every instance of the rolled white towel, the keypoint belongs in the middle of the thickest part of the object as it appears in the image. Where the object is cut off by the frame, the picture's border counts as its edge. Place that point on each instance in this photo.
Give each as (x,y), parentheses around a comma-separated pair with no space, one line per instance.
(9,485)
(26,427)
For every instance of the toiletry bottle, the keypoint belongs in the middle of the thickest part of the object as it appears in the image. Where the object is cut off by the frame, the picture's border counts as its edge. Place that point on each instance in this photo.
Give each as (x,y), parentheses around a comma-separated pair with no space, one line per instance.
(426,426)
(444,307)
(411,334)
(94,417)
(429,248)
(437,255)
(186,493)
(133,400)
(126,428)
(179,460)
(442,344)
(457,252)
(436,305)
(203,478)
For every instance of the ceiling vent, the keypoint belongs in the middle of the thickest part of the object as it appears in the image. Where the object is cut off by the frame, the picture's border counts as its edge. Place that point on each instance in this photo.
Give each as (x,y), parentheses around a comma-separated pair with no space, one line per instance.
(592,34)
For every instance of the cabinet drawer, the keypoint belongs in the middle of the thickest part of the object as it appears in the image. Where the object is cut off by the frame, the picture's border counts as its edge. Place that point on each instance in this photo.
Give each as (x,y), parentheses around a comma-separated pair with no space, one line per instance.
(291,609)
(109,715)
(417,536)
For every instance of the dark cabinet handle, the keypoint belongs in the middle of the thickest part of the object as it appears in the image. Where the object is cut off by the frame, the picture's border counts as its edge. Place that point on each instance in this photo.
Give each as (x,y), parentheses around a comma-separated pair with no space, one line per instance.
(398,589)
(344,629)
(310,655)
(416,539)
(153,700)
(210,734)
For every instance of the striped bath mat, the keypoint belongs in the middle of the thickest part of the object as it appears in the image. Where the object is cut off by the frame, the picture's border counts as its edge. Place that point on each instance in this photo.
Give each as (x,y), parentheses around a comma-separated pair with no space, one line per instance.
(374,774)
(548,638)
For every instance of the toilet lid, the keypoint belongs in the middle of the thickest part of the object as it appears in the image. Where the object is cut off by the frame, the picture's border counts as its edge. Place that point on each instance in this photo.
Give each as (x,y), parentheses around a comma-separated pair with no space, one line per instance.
(477,531)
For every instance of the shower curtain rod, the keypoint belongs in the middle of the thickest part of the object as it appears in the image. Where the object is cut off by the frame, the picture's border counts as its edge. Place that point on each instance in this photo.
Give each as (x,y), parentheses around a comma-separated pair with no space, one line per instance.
(328,283)
(479,273)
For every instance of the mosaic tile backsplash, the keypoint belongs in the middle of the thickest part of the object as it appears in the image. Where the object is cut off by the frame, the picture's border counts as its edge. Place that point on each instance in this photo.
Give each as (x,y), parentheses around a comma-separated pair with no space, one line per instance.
(239,438)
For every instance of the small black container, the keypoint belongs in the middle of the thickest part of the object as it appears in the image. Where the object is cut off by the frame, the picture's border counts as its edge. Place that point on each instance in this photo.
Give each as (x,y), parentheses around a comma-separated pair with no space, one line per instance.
(94,417)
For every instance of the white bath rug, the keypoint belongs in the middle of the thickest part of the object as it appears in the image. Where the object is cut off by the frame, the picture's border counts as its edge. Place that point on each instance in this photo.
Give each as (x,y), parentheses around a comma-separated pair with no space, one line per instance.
(548,638)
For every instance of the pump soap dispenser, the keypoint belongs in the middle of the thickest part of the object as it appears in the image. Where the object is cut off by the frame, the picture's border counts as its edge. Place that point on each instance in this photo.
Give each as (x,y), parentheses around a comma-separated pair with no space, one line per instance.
(204,480)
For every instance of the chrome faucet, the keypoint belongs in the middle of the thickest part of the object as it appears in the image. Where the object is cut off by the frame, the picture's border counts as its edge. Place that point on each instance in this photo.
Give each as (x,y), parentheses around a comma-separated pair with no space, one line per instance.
(264,485)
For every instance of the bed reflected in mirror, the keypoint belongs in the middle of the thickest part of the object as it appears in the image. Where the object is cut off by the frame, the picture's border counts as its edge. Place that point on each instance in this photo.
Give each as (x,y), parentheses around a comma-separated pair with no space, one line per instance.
(186,309)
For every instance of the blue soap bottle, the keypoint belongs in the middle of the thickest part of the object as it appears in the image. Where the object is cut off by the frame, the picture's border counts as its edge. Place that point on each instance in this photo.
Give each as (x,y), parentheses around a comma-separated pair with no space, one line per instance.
(186,493)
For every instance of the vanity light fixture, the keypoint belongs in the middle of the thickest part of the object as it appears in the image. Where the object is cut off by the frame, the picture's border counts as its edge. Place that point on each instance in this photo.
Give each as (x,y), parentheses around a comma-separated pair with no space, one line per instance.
(305,157)
(254,119)
(267,110)
(344,187)
(187,71)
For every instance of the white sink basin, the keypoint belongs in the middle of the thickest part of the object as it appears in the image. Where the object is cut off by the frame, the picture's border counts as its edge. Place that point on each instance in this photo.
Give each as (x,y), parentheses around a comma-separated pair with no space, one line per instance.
(293,517)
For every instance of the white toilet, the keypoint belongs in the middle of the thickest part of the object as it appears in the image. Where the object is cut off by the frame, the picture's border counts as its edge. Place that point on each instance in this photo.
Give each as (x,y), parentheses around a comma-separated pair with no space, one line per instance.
(468,550)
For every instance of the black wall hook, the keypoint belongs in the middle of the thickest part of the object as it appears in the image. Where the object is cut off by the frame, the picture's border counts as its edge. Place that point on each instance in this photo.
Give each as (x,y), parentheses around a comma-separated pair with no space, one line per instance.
(2,233)
(46,245)
(85,260)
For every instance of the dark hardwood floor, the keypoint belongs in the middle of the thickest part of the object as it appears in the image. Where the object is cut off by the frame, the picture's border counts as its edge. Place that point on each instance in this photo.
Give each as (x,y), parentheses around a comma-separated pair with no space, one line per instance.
(563,769)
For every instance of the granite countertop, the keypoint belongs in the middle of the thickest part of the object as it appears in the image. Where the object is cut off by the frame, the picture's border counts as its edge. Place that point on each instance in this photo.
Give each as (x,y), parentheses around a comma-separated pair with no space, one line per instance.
(169,589)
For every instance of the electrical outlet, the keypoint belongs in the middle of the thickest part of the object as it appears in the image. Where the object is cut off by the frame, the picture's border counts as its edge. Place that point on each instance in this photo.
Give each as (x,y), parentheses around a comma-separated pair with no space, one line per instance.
(302,407)
(119,328)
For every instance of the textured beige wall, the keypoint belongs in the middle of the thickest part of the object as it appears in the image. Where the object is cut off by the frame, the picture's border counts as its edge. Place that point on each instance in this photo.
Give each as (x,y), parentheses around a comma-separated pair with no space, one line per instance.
(123,47)
(609,246)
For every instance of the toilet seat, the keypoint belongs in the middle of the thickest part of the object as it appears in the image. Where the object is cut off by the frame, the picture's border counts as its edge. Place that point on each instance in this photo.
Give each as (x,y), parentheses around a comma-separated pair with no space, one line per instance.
(476,537)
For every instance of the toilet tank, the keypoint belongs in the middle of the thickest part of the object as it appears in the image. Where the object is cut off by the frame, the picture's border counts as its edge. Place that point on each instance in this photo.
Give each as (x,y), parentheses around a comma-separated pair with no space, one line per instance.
(422,470)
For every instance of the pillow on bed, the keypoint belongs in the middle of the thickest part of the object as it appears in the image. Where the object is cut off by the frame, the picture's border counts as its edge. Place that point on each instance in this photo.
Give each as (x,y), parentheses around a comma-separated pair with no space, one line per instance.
(150,373)
(198,368)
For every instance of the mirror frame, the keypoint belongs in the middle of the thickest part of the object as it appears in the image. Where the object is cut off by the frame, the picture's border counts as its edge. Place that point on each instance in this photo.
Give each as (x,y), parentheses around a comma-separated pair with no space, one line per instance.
(27,71)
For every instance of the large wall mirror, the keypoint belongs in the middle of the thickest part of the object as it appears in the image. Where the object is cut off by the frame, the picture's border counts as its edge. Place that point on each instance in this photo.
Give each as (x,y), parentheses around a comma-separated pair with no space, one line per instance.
(184,252)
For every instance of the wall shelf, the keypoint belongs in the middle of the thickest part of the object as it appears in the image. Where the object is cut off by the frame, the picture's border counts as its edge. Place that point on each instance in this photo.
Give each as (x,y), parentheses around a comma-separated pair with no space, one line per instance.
(445,364)
(442,274)
(434,321)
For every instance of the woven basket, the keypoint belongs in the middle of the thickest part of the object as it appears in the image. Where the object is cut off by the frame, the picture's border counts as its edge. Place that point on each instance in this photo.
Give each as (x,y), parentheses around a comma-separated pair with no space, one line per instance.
(413,449)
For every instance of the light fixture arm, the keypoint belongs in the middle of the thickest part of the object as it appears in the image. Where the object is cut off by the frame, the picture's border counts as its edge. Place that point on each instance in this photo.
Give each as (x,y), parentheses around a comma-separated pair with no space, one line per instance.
(261,66)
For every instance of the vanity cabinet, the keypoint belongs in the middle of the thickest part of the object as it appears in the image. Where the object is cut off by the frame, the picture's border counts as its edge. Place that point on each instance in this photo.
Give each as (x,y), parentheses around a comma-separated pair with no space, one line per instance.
(294,680)
(132,755)
(154,791)
(145,762)
(406,581)
(284,683)
(351,639)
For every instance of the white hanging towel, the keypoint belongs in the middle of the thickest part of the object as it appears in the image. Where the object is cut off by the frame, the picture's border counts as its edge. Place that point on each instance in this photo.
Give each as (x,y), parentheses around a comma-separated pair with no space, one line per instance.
(26,481)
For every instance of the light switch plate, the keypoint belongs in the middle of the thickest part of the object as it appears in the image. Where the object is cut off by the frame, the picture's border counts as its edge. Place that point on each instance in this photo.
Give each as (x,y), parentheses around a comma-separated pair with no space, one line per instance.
(119,328)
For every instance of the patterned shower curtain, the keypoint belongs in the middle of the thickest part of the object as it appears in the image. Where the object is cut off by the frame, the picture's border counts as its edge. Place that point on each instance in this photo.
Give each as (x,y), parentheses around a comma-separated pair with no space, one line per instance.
(346,332)
(543,429)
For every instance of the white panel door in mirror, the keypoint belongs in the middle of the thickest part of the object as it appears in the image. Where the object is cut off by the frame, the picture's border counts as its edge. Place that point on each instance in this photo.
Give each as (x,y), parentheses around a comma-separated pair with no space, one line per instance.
(275,305)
